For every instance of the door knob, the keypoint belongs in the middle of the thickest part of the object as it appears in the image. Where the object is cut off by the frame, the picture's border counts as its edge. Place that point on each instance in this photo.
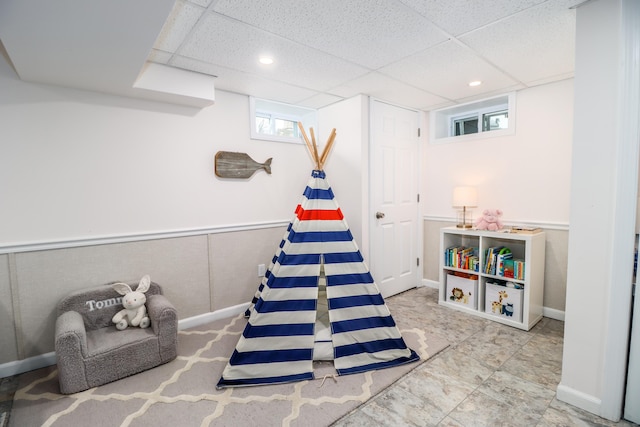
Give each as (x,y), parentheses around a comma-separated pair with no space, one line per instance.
(379,215)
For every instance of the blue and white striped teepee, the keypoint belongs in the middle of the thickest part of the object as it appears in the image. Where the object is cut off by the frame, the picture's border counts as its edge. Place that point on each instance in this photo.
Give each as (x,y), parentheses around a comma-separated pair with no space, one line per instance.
(317,262)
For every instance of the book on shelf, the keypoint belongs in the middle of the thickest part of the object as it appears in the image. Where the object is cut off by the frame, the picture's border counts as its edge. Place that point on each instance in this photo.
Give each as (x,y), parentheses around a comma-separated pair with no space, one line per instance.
(488,259)
(518,269)
(525,230)
(508,268)
(474,263)
(500,259)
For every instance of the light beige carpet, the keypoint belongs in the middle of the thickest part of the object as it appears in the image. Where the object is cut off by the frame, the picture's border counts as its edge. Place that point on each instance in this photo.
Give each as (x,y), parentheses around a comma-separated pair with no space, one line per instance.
(183,393)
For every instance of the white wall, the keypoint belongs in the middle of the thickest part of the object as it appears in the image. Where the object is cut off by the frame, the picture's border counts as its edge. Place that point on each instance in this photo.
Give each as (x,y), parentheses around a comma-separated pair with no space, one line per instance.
(77,164)
(527,174)
(347,165)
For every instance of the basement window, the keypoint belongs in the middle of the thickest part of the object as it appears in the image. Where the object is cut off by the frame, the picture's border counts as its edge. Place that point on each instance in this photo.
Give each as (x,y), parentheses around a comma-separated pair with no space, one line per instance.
(277,121)
(464,126)
(480,119)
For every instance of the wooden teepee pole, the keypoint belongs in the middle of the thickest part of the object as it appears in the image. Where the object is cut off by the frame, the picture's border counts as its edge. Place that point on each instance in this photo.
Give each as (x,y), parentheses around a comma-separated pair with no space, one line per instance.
(327,148)
(309,146)
(313,147)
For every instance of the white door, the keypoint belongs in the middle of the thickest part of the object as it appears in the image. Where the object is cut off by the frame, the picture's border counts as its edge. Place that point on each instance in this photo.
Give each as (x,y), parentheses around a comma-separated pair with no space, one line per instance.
(394,198)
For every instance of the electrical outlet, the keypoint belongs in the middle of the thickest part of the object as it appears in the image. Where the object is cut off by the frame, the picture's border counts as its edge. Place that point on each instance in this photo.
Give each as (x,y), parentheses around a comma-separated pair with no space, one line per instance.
(261,270)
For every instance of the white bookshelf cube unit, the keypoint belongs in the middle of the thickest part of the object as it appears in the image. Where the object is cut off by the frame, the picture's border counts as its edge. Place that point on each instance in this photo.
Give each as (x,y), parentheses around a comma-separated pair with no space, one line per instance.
(496,275)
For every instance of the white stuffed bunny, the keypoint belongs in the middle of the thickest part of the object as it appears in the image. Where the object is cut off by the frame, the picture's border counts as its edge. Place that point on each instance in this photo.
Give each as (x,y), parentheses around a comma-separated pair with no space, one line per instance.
(134,312)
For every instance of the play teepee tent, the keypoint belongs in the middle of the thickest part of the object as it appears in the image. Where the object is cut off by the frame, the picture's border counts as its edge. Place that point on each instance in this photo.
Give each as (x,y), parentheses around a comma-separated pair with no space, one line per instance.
(317,301)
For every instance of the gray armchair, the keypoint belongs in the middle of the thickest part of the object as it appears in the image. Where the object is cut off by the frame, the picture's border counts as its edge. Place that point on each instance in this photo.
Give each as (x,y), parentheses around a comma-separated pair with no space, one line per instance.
(90,351)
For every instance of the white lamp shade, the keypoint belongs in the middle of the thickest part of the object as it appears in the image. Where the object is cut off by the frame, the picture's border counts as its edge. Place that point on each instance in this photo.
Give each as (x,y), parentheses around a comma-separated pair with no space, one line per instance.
(465,197)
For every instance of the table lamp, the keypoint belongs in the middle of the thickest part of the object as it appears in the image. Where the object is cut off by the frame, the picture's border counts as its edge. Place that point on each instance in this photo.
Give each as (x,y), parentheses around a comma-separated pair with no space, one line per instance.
(465,197)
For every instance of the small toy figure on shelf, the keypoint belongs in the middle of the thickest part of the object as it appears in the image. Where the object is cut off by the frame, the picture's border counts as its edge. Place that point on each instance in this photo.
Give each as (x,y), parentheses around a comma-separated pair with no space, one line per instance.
(490,220)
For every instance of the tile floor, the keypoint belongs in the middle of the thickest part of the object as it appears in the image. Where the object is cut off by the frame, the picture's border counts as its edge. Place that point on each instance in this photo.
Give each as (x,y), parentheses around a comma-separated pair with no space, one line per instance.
(490,375)
(7,389)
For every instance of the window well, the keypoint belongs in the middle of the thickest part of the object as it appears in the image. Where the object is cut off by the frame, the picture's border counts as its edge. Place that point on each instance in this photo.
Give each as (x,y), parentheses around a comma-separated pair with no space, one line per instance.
(479,119)
(277,121)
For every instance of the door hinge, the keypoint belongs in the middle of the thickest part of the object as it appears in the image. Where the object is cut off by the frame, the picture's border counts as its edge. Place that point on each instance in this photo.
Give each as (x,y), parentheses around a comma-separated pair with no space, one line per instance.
(418,198)
(418,262)
(418,132)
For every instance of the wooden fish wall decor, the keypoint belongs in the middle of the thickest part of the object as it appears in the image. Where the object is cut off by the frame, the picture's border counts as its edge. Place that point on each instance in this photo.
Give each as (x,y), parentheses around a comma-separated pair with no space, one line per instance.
(238,165)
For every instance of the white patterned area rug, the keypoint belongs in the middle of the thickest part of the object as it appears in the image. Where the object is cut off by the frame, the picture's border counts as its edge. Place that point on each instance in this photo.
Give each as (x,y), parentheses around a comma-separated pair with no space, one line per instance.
(183,392)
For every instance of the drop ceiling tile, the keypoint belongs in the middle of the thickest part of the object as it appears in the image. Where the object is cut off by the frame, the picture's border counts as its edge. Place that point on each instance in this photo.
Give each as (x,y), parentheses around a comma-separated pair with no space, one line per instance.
(531,46)
(320,100)
(551,79)
(387,89)
(294,64)
(245,83)
(446,70)
(460,16)
(366,32)
(180,22)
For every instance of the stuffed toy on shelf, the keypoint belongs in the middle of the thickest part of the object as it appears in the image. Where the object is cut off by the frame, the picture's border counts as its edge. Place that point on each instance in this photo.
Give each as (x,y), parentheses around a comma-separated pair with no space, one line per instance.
(490,220)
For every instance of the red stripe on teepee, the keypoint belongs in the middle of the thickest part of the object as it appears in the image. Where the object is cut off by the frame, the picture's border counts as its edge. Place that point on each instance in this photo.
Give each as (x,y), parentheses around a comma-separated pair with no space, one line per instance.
(318,214)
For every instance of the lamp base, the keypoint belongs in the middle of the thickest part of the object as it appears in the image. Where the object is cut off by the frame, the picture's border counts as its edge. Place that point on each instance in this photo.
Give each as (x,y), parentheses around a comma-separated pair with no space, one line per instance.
(464,219)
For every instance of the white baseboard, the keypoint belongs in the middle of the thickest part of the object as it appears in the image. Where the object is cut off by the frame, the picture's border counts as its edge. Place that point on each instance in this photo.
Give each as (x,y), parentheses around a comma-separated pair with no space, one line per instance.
(41,361)
(552,313)
(579,399)
(29,364)
(431,283)
(201,319)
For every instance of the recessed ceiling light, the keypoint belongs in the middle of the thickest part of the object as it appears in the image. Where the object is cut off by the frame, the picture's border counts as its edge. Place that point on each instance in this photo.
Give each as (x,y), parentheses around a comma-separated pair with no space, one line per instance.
(475,83)
(266,60)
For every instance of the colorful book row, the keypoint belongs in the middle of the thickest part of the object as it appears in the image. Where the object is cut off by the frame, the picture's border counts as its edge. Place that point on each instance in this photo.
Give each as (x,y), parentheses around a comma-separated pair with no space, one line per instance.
(494,260)
(514,269)
(498,261)
(461,257)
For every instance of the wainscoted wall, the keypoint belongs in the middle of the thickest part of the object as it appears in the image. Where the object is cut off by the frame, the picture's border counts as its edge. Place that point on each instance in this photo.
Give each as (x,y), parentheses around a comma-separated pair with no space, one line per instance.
(8,348)
(199,274)
(555,269)
(234,259)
